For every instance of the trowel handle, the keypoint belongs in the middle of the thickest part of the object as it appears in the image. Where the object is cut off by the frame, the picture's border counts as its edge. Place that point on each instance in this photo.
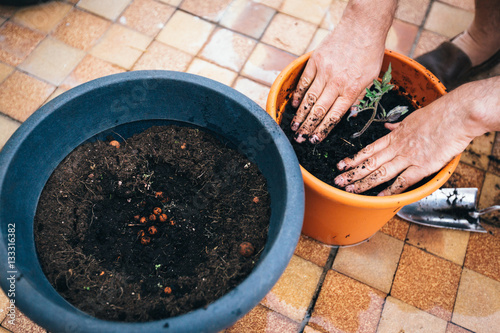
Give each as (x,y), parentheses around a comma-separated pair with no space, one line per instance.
(484,211)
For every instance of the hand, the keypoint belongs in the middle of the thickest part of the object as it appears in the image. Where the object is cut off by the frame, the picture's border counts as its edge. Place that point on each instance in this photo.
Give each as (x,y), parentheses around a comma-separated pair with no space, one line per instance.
(421,144)
(341,68)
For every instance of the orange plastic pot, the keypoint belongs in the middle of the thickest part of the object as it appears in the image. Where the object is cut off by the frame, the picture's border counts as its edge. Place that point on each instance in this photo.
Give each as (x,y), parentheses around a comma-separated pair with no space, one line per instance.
(336,217)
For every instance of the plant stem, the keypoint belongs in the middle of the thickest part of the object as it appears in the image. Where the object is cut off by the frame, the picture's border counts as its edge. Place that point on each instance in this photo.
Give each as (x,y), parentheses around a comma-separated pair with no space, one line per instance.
(355,135)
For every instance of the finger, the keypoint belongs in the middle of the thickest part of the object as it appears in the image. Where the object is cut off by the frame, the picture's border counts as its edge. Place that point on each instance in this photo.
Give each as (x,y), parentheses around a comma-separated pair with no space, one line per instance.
(310,99)
(305,81)
(317,114)
(332,118)
(409,177)
(392,126)
(365,153)
(362,94)
(383,174)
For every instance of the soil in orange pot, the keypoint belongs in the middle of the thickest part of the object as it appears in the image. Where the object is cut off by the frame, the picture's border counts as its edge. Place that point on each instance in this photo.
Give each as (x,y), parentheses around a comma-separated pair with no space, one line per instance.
(321,159)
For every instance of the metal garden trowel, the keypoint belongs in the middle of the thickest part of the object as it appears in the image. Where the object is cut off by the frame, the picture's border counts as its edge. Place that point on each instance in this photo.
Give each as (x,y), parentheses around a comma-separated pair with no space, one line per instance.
(452,208)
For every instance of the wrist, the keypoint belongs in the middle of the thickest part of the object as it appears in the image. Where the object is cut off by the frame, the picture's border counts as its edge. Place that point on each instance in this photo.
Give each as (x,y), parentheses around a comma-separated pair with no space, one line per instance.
(480,100)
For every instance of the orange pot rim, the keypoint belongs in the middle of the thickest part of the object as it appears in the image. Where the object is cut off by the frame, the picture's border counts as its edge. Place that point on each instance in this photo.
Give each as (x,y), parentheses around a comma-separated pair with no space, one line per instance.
(361,200)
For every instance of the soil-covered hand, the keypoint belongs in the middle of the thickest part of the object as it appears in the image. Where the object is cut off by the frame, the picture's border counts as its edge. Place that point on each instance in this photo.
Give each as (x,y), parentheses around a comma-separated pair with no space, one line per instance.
(425,141)
(338,71)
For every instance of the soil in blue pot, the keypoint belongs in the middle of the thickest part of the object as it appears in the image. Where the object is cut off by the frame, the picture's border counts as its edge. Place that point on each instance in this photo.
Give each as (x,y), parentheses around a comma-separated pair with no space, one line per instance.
(152,227)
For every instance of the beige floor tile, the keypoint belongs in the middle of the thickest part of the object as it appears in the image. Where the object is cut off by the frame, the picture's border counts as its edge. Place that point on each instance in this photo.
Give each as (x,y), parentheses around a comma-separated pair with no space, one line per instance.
(22,324)
(253,90)
(5,71)
(161,56)
(4,300)
(483,253)
(7,127)
(211,71)
(17,42)
(266,63)
(478,303)
(317,38)
(228,49)
(400,317)
(452,328)
(59,91)
(43,17)
(186,32)
(346,305)
(477,152)
(109,9)
(247,17)
(396,227)
(288,33)
(466,176)
(147,16)
(373,263)
(490,195)
(333,15)
(307,10)
(464,4)
(294,291)
(412,11)
(426,282)
(494,165)
(276,4)
(90,68)
(21,95)
(445,243)
(427,42)
(8,11)
(52,61)
(81,29)
(174,3)
(447,20)
(263,320)
(313,250)
(121,46)
(211,10)
(401,37)
(309,329)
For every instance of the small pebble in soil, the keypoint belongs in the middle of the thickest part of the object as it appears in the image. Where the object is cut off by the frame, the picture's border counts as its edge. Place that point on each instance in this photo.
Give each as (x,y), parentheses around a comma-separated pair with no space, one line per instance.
(115,144)
(246,249)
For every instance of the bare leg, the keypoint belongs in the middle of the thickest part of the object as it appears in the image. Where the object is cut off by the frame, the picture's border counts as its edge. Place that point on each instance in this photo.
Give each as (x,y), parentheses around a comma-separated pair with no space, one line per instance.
(482,39)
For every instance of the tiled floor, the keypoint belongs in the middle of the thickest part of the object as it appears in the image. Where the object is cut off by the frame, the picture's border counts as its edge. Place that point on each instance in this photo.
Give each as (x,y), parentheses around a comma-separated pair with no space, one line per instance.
(406,278)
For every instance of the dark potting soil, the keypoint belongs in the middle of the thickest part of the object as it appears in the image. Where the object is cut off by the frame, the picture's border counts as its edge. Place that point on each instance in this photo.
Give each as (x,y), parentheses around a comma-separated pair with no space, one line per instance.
(88,228)
(321,159)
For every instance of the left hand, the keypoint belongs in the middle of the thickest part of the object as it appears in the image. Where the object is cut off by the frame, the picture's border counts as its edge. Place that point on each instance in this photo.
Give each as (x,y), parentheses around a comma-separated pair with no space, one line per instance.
(417,147)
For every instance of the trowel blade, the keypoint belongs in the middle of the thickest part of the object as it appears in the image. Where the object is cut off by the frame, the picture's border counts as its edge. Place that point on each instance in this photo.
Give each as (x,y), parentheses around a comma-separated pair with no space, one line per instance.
(445,208)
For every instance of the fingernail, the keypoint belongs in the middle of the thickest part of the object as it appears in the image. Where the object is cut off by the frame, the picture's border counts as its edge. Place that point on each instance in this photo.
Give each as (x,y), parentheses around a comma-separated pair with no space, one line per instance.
(295,126)
(300,138)
(339,180)
(341,165)
(314,139)
(349,189)
(381,194)
(295,103)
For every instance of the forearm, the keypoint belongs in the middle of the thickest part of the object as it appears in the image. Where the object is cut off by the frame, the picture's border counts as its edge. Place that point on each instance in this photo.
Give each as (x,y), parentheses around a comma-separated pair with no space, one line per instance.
(367,18)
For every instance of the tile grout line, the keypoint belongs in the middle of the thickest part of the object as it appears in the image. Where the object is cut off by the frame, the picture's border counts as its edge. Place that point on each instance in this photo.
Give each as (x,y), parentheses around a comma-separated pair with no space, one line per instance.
(328,265)
(421,28)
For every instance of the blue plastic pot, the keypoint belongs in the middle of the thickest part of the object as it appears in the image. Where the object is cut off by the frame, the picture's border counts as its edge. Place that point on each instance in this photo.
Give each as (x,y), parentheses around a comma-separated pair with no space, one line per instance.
(128,104)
